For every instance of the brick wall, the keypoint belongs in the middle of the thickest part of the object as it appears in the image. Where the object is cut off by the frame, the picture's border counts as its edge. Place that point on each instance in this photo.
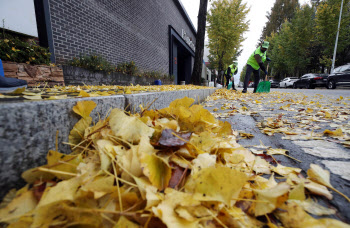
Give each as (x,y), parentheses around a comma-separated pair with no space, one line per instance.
(119,30)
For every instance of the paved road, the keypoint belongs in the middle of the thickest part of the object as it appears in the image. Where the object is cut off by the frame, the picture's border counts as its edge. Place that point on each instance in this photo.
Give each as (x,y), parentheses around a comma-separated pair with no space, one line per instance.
(340,91)
(327,152)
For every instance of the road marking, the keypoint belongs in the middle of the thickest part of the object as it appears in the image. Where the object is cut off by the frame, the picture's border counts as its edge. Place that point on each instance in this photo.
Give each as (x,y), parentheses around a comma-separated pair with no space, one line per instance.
(323,149)
(339,167)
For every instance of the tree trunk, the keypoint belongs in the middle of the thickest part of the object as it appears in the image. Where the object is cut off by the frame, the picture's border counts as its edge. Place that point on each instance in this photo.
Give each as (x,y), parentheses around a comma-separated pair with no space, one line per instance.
(198,58)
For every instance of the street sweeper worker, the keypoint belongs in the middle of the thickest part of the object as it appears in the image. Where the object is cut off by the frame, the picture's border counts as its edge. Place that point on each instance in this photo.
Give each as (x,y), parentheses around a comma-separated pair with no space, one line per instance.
(231,70)
(254,64)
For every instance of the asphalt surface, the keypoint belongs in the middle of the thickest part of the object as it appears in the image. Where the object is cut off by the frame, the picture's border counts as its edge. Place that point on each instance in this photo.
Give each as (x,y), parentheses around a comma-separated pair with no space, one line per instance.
(340,159)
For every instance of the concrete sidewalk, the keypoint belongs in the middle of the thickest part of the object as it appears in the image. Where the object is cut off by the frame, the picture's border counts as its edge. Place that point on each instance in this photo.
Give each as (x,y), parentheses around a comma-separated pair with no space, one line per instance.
(28,129)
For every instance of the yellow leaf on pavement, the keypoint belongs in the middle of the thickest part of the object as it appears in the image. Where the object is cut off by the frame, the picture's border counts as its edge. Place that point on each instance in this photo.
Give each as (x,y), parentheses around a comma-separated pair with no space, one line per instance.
(268,198)
(337,132)
(284,170)
(298,192)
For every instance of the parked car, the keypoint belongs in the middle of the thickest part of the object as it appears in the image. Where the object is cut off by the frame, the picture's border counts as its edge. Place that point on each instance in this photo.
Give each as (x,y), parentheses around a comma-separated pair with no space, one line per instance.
(274,83)
(311,81)
(340,76)
(240,84)
(251,84)
(287,82)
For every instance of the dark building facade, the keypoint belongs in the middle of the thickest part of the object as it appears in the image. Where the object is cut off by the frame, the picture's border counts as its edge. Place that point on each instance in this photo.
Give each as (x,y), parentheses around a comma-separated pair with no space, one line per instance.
(156,34)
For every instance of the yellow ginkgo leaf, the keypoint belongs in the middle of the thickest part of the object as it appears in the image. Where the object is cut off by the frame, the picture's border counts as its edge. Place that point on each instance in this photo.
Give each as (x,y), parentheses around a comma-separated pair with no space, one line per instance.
(314,208)
(77,133)
(318,189)
(337,132)
(63,162)
(261,166)
(105,149)
(185,102)
(298,192)
(268,198)
(309,110)
(284,170)
(20,205)
(167,213)
(58,97)
(127,91)
(216,184)
(83,94)
(63,191)
(319,175)
(129,128)
(276,151)
(36,97)
(125,223)
(322,176)
(158,172)
(84,108)
(100,186)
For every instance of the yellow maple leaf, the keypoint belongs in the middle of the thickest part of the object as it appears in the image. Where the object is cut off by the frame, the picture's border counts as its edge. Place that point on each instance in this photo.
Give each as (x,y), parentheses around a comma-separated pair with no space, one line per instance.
(84,108)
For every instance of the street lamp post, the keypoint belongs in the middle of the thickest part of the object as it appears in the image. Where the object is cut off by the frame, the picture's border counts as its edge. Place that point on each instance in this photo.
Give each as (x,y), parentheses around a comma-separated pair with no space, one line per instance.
(336,40)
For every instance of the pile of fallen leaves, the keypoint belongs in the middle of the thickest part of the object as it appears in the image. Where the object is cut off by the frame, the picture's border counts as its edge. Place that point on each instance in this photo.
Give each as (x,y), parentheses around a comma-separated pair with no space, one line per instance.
(65,92)
(174,167)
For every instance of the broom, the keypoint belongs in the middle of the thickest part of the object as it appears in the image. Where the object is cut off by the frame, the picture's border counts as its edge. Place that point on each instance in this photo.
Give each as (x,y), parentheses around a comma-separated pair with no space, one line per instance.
(264,86)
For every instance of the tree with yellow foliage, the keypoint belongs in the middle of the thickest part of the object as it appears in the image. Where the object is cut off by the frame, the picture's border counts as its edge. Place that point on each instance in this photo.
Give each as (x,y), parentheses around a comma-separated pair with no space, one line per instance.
(226,25)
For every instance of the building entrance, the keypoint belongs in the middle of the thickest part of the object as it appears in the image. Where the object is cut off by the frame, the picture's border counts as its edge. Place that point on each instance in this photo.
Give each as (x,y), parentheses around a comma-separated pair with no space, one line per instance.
(181,58)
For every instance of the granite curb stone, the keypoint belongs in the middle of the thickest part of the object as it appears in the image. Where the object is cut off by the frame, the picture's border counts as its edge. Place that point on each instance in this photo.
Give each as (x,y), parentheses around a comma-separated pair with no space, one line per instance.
(28,129)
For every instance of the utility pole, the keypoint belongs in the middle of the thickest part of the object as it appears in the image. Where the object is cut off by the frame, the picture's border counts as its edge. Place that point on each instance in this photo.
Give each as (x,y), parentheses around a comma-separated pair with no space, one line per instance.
(336,40)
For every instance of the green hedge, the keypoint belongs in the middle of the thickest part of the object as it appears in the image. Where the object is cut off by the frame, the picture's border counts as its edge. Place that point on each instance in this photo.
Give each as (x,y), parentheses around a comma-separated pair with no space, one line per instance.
(15,50)
(96,62)
(93,63)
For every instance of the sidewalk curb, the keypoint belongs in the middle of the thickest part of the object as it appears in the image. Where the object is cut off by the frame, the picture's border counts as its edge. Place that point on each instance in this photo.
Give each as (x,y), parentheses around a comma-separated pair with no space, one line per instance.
(28,129)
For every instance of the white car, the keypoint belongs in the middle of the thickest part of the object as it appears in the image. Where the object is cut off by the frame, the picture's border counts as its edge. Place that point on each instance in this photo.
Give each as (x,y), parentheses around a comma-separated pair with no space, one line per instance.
(287,82)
